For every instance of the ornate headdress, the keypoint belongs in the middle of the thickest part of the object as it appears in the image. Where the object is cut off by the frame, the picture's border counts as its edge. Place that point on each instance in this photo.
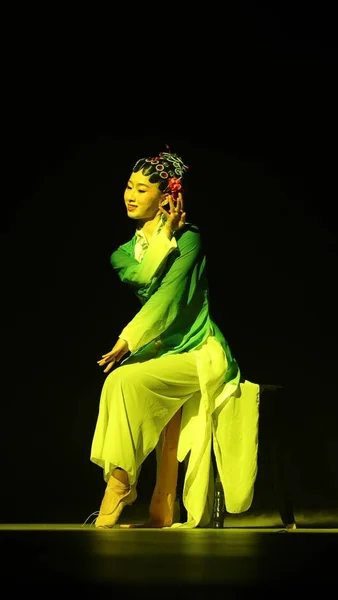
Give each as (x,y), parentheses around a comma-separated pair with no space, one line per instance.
(167,169)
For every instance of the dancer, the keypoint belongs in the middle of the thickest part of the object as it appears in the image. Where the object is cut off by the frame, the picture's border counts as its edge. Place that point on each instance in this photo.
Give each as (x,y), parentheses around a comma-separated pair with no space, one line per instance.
(179,381)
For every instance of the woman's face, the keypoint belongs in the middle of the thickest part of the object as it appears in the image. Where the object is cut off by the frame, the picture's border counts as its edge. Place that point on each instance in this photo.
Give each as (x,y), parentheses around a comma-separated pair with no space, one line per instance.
(142,198)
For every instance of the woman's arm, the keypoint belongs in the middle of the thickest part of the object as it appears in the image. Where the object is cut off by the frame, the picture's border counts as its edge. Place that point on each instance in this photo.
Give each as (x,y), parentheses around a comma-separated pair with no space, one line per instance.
(141,274)
(164,305)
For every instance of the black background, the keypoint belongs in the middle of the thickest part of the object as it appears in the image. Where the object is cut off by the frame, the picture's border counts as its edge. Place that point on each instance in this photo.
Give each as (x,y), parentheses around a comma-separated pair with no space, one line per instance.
(248,98)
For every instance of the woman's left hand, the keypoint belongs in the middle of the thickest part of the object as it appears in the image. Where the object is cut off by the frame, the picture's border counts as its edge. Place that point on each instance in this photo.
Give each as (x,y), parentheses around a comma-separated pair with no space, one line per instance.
(120,349)
(176,217)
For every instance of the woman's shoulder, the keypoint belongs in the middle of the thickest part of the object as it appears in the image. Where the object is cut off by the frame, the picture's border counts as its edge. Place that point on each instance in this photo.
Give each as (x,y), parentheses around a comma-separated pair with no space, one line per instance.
(191,227)
(126,247)
(189,233)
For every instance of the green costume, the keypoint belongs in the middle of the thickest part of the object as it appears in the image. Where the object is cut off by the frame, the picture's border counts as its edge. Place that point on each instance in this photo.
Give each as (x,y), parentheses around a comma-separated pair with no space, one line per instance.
(169,278)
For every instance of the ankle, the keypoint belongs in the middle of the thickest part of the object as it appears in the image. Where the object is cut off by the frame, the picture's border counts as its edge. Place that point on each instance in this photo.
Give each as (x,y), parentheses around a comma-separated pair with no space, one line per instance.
(121,476)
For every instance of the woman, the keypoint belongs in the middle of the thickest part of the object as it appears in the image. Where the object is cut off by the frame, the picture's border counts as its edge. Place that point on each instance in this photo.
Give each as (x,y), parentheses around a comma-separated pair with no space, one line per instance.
(178,359)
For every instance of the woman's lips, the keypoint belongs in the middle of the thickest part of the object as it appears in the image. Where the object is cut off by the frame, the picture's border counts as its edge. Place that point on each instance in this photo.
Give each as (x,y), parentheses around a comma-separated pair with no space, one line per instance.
(131,208)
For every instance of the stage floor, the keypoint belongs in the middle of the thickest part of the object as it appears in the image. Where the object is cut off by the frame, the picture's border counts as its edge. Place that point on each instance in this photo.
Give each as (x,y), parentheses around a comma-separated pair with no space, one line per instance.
(80,558)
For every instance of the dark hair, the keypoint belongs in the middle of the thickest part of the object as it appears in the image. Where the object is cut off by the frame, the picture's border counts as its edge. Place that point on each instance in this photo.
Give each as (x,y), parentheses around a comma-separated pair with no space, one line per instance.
(161,168)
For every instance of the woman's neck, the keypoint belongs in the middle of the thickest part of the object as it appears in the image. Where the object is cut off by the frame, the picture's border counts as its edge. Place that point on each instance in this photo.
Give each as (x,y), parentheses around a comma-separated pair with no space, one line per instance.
(148,226)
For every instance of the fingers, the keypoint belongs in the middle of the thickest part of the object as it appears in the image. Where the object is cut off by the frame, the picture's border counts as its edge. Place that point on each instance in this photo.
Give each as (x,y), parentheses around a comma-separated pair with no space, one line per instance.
(104,361)
(106,358)
(179,204)
(109,366)
(171,204)
(175,215)
(164,211)
(175,205)
(109,360)
(101,363)
(181,201)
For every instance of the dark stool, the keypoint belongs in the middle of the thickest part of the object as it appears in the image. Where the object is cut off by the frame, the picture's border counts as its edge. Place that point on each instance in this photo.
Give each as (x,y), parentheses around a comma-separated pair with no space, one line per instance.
(269,394)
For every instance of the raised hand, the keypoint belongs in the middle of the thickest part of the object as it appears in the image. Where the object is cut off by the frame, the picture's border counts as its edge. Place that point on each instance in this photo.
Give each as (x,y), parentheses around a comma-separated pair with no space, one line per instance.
(176,217)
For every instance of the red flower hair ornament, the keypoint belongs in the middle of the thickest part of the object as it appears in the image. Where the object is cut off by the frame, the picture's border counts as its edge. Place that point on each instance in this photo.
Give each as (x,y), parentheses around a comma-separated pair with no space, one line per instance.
(175,187)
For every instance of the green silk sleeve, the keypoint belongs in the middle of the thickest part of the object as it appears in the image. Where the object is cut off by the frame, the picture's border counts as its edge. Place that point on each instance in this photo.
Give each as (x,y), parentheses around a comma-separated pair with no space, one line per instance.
(162,308)
(142,277)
